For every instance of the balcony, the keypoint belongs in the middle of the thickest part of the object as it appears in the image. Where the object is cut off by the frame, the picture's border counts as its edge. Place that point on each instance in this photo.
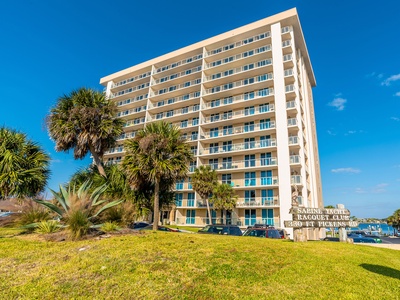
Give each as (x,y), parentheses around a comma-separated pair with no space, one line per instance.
(239,56)
(127,135)
(174,113)
(290,104)
(132,79)
(132,100)
(131,111)
(292,122)
(179,63)
(294,159)
(185,203)
(130,90)
(293,140)
(240,98)
(258,202)
(239,147)
(240,164)
(240,113)
(176,87)
(295,179)
(238,130)
(252,66)
(255,182)
(247,41)
(239,83)
(176,75)
(137,121)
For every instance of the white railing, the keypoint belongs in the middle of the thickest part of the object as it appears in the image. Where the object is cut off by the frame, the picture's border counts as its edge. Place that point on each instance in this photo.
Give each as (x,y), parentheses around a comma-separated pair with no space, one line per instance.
(295,179)
(293,140)
(239,113)
(176,112)
(258,201)
(240,43)
(286,43)
(135,122)
(240,98)
(238,130)
(177,75)
(287,57)
(290,104)
(261,181)
(238,56)
(179,63)
(288,72)
(127,135)
(132,100)
(239,164)
(129,80)
(286,29)
(239,83)
(176,87)
(245,68)
(130,90)
(175,99)
(289,88)
(294,159)
(292,122)
(131,111)
(240,146)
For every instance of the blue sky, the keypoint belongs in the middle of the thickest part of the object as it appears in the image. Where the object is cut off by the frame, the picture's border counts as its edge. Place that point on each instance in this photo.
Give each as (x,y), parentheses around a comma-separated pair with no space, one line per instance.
(48,48)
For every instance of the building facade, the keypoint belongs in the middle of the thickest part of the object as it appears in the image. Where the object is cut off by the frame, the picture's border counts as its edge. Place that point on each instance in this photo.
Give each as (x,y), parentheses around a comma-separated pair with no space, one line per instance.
(243,101)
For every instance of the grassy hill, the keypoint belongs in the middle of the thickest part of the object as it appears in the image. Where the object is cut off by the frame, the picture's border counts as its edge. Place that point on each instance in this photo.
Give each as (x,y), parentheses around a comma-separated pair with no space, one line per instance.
(193,266)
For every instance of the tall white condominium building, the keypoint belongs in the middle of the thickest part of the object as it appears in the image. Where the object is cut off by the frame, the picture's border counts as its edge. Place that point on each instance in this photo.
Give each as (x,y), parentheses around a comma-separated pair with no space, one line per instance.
(243,101)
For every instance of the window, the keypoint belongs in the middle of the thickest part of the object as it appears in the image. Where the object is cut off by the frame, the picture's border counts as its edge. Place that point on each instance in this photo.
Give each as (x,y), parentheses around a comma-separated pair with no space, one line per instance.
(179,185)
(214,148)
(186,84)
(214,132)
(170,101)
(250,178)
(228,100)
(184,123)
(191,216)
(172,88)
(249,126)
(170,113)
(227,178)
(185,110)
(248,67)
(195,135)
(227,146)
(215,76)
(249,110)
(213,163)
(249,196)
(228,86)
(228,59)
(215,103)
(214,117)
(264,63)
(248,96)
(263,77)
(195,121)
(265,141)
(227,73)
(192,166)
(178,199)
(248,81)
(249,143)
(265,124)
(193,149)
(267,216)
(265,159)
(227,115)
(263,108)
(227,163)
(263,92)
(250,160)
(249,217)
(267,197)
(190,183)
(228,130)
(159,116)
(196,107)
(190,199)
(266,178)
(186,97)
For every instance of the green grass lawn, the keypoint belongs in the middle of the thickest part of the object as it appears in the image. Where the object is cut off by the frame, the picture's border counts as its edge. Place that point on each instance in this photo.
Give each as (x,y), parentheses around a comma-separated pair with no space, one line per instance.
(165,265)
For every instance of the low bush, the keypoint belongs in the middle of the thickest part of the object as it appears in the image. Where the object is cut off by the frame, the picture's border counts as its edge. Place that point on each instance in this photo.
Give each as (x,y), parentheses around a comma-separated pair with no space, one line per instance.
(110,227)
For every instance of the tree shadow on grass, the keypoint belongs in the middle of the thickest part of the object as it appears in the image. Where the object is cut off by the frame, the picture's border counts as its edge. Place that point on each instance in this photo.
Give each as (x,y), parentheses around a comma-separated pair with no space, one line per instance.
(382,270)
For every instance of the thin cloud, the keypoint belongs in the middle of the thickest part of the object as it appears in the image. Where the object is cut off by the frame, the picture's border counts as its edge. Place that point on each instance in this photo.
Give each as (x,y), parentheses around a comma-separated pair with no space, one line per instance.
(338,103)
(389,80)
(380,188)
(397,94)
(360,191)
(346,170)
(395,119)
(331,132)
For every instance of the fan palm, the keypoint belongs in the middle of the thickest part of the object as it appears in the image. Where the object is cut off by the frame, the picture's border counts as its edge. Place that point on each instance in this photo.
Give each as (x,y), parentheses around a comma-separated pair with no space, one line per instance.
(224,198)
(24,166)
(84,121)
(157,155)
(204,180)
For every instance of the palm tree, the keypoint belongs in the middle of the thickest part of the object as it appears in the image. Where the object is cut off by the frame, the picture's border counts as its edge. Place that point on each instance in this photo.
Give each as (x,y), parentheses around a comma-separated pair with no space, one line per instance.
(157,155)
(84,121)
(394,219)
(224,198)
(24,166)
(204,180)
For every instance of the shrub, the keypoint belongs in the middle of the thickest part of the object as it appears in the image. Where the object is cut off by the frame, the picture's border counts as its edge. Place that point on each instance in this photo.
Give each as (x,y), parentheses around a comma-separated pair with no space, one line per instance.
(49,226)
(109,227)
(32,213)
(78,223)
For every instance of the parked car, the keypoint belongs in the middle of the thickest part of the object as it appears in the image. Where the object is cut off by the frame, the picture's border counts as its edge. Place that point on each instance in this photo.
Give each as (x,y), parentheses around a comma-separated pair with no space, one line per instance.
(360,238)
(160,228)
(283,233)
(138,225)
(331,239)
(268,232)
(221,229)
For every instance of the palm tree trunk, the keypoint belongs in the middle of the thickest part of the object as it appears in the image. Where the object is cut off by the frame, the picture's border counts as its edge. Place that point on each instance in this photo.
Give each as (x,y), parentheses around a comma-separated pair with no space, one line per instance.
(97,162)
(156,205)
(209,212)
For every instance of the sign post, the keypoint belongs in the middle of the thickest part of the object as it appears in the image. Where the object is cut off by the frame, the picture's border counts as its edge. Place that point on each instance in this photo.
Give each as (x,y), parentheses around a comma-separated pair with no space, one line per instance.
(304,217)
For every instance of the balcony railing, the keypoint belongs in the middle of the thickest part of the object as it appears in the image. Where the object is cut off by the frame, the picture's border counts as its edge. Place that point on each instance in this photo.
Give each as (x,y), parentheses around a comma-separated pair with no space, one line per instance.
(256,182)
(290,104)
(245,68)
(239,164)
(177,75)
(176,87)
(294,159)
(295,179)
(179,63)
(240,43)
(131,111)
(240,98)
(238,147)
(286,29)
(238,130)
(293,140)
(132,100)
(292,122)
(130,90)
(239,113)
(174,113)
(258,201)
(239,83)
(134,122)
(175,99)
(238,56)
(185,203)
(127,135)
(129,80)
